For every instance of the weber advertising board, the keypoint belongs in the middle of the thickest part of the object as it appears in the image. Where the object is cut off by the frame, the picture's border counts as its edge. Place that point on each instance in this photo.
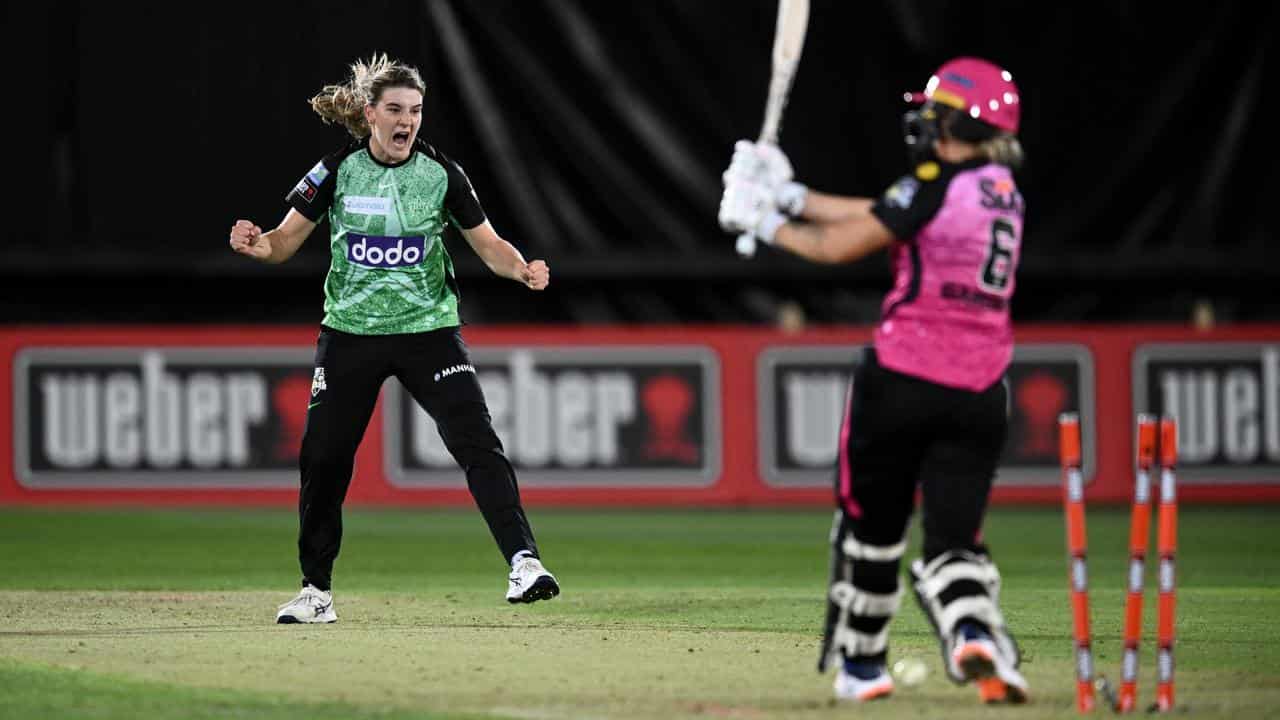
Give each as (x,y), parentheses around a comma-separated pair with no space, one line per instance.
(803,392)
(577,416)
(159,418)
(1226,398)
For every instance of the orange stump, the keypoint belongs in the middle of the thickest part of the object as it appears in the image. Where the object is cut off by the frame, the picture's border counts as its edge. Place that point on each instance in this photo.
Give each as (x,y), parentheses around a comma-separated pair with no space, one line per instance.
(1078,578)
(1167,544)
(1139,531)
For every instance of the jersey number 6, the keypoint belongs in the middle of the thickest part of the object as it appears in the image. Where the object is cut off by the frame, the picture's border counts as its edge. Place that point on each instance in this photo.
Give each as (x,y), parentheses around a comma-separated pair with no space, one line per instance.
(998,268)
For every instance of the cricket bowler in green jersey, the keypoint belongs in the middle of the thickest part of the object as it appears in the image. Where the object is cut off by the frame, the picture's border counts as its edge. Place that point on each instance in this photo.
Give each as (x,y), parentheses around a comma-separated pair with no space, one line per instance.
(391,309)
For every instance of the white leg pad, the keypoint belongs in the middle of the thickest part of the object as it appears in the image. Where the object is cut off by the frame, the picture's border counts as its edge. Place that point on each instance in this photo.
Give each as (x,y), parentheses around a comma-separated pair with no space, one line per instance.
(931,582)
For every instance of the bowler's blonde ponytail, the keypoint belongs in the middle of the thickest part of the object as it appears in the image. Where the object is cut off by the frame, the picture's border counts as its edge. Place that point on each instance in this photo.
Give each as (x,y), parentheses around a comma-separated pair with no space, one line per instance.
(344,103)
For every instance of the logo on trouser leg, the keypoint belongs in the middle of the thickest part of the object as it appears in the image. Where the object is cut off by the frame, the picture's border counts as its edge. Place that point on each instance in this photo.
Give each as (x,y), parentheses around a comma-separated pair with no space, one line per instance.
(317,382)
(454,370)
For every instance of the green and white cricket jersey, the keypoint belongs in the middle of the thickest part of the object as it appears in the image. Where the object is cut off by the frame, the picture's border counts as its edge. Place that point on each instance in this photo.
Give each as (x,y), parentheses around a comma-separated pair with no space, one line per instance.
(390,272)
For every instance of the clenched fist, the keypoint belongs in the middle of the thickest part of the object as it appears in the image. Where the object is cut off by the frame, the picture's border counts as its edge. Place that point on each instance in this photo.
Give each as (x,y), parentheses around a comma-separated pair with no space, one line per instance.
(247,239)
(535,275)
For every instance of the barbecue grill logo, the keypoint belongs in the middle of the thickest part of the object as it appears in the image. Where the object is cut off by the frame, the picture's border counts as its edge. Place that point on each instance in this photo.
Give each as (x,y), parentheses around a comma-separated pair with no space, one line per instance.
(576,416)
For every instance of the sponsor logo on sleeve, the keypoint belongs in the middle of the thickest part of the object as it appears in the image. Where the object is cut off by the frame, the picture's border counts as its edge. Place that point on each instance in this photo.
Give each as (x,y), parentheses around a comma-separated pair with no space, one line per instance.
(902,193)
(928,170)
(309,185)
(306,190)
(318,174)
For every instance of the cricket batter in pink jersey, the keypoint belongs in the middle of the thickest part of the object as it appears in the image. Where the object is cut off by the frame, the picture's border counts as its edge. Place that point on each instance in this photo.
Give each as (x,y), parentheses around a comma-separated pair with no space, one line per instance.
(927,408)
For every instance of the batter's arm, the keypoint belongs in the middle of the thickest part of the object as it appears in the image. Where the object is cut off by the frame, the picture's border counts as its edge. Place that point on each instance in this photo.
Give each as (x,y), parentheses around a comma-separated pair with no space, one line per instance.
(831,243)
(822,207)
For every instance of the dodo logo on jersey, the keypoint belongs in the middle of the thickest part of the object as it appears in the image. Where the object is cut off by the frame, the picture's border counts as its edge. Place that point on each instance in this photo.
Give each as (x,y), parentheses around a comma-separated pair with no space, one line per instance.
(159,417)
(374,251)
(576,417)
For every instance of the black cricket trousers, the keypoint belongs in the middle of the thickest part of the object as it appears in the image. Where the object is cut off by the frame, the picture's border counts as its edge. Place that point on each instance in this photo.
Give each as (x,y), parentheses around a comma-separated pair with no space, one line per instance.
(349,372)
(900,434)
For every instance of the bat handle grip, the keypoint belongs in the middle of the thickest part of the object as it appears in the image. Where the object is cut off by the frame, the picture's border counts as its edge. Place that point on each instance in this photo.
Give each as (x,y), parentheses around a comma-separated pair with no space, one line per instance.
(746,245)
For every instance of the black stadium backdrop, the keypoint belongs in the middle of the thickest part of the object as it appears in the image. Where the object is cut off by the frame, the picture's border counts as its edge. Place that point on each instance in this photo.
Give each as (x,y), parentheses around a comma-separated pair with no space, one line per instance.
(595,133)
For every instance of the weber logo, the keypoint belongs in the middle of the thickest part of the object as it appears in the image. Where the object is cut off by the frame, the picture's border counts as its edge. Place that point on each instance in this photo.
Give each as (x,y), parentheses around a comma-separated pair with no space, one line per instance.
(577,417)
(803,392)
(159,417)
(1226,397)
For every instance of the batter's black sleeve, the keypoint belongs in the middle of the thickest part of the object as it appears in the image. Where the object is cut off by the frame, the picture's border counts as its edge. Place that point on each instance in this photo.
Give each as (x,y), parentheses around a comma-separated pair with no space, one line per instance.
(911,202)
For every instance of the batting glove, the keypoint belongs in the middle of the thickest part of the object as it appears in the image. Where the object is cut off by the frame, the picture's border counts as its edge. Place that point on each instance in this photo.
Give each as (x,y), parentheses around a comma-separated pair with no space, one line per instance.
(746,165)
(788,195)
(790,198)
(767,163)
(777,167)
(748,207)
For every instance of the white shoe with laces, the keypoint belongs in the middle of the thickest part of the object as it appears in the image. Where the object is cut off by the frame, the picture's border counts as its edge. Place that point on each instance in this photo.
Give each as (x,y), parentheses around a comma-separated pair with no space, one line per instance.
(312,605)
(530,582)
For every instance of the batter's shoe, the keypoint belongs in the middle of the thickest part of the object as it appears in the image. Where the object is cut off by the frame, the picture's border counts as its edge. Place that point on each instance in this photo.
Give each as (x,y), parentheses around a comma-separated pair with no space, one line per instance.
(860,682)
(979,659)
(974,653)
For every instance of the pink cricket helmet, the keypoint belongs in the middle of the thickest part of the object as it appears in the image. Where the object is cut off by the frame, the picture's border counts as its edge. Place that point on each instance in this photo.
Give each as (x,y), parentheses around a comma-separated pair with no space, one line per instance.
(977,87)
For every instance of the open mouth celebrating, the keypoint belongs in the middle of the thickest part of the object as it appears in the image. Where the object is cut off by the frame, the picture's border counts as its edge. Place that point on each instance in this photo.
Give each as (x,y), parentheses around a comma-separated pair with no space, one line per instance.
(400,140)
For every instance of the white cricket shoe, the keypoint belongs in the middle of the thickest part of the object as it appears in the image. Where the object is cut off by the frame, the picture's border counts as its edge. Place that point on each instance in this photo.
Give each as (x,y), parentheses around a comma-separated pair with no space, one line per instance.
(312,605)
(530,582)
(849,687)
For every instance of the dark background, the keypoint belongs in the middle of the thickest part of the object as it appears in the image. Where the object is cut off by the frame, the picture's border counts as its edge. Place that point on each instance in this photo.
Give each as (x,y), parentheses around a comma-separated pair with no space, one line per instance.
(595,133)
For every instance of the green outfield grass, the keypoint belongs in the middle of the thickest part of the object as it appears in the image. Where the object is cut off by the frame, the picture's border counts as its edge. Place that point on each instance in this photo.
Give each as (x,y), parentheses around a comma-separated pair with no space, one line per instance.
(680,614)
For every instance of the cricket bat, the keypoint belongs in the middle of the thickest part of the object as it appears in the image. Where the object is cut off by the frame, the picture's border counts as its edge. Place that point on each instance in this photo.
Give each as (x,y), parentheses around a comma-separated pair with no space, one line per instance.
(788,42)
